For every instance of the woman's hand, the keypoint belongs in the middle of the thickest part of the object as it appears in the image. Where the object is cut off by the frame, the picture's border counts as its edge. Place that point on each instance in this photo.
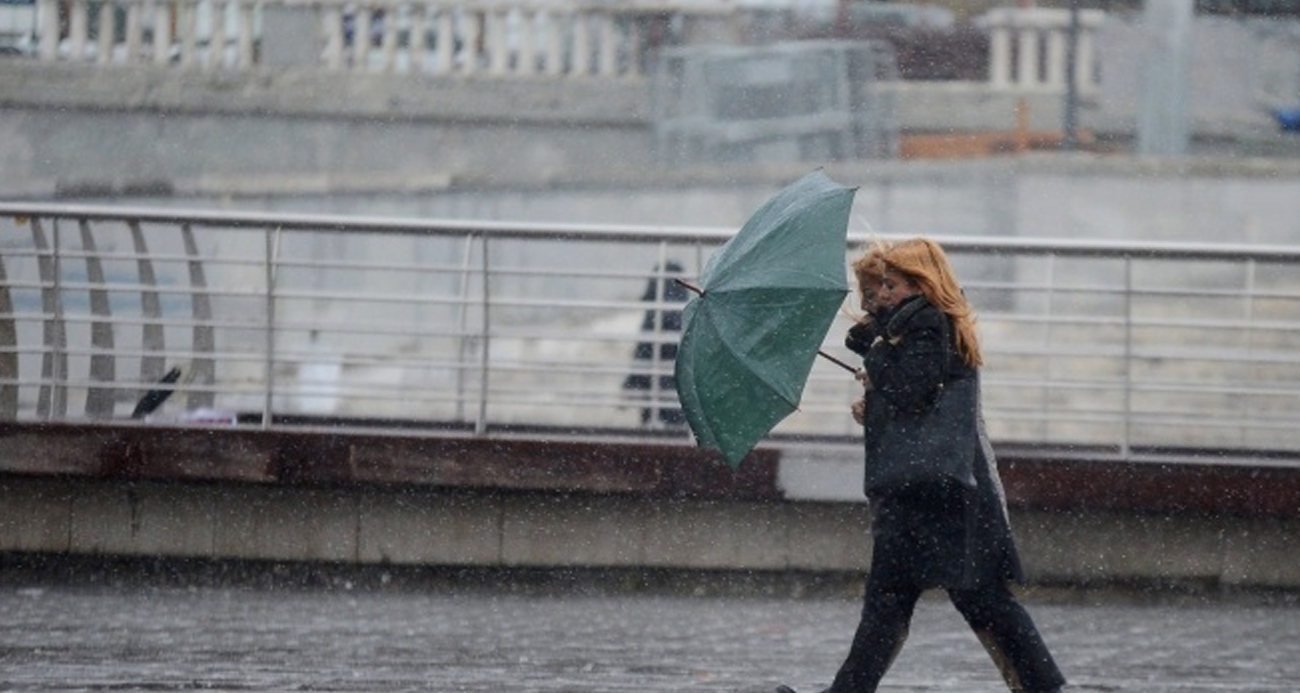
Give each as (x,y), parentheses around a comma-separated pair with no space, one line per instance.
(860,411)
(865,378)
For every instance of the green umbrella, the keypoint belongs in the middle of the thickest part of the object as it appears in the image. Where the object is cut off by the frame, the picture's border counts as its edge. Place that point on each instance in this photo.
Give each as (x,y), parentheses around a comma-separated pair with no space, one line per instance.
(767,298)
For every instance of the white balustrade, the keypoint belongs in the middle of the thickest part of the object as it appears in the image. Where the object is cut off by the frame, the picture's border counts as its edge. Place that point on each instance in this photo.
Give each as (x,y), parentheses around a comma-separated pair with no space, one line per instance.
(1029,48)
(499,38)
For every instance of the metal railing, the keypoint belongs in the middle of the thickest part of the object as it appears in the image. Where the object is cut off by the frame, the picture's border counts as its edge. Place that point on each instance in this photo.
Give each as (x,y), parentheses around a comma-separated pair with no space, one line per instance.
(475,328)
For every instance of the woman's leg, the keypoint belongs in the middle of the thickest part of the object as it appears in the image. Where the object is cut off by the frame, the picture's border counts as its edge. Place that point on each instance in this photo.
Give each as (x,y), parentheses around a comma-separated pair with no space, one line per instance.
(1010,636)
(886,613)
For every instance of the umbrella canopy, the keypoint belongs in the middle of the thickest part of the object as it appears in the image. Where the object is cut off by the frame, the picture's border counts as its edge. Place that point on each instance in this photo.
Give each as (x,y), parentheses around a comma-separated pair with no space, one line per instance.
(767,298)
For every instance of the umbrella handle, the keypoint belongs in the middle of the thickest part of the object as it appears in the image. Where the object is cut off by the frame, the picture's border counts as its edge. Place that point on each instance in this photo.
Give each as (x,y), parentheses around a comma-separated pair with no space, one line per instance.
(682,282)
(846,366)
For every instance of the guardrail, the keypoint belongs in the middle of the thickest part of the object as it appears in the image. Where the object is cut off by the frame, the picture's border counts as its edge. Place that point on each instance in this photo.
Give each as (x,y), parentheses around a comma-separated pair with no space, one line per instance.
(308,321)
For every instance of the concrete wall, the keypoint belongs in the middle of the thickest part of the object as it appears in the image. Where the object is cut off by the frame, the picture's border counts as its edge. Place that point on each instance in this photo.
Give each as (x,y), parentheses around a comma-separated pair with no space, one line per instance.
(75,128)
(410,526)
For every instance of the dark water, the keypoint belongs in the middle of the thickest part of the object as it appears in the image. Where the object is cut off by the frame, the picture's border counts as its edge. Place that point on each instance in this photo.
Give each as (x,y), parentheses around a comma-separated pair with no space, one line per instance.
(70,638)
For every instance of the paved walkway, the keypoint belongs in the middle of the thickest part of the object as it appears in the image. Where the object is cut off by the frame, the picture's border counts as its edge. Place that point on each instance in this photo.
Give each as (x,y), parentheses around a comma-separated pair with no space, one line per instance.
(70,638)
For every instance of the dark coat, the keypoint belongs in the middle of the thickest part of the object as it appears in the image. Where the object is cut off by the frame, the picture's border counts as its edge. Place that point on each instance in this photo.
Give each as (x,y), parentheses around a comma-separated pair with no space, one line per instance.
(942,535)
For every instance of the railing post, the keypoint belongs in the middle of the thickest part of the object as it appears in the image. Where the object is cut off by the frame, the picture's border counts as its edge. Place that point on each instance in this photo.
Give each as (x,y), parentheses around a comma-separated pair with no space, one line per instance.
(1126,443)
(463,325)
(480,422)
(52,400)
(9,372)
(657,335)
(272,242)
(1249,401)
(203,340)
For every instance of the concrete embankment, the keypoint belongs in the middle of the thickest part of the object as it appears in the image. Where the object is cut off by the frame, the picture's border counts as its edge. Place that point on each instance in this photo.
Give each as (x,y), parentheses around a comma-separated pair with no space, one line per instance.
(368,500)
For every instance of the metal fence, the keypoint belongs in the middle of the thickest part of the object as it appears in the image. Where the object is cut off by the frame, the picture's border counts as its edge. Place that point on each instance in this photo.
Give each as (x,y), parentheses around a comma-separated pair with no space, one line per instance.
(791,101)
(279,320)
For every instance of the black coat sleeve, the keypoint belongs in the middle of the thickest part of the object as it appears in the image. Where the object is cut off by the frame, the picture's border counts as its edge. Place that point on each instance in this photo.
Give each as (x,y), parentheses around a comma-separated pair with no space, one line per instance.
(860,336)
(907,365)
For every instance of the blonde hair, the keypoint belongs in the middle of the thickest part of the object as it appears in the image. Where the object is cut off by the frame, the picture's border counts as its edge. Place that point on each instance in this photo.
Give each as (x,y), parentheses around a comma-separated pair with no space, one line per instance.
(923,262)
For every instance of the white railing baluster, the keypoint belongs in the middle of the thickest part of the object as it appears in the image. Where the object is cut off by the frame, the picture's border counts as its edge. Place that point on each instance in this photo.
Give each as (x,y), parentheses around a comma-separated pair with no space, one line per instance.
(608,55)
(446,37)
(556,22)
(1056,57)
(416,45)
(388,46)
(1027,65)
(244,41)
(361,39)
(526,63)
(217,39)
(134,34)
(1000,57)
(473,36)
(1085,77)
(47,15)
(632,47)
(332,20)
(580,58)
(162,33)
(498,52)
(77,30)
(187,27)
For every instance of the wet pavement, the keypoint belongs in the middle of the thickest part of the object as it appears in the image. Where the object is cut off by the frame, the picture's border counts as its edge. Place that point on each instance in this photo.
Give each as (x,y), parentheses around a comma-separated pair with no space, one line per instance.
(177,638)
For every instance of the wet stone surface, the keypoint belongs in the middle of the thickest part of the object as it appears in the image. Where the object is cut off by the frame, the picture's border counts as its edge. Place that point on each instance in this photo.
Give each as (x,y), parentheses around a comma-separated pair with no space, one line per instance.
(95,638)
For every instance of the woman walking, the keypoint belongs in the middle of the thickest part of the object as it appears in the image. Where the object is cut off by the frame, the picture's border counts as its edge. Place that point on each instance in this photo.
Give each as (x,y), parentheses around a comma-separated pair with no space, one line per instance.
(940,531)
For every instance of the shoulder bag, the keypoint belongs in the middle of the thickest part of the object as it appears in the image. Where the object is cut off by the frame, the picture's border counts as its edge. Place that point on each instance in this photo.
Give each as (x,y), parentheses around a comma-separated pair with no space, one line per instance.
(927,446)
